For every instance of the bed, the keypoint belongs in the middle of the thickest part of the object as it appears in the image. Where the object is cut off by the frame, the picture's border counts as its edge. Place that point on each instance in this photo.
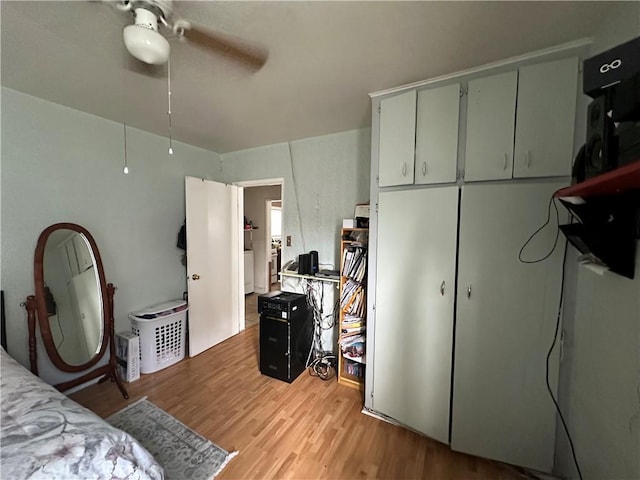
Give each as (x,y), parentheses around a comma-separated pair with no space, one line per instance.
(46,435)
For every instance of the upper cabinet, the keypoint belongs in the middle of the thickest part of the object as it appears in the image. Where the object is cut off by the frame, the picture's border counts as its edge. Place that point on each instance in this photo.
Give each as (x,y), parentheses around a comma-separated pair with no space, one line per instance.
(419,137)
(437,135)
(397,137)
(545,119)
(520,123)
(491,113)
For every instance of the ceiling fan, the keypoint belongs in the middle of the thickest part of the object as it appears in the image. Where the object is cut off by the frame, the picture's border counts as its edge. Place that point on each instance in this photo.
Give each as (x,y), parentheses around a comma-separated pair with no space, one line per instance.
(144,41)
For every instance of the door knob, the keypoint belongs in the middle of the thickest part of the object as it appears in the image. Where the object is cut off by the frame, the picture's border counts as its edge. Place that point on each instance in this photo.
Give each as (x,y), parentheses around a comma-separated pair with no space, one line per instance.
(195,276)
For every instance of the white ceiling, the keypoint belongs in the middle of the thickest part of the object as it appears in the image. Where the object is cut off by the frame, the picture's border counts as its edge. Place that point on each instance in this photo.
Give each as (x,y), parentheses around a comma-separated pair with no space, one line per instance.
(325,57)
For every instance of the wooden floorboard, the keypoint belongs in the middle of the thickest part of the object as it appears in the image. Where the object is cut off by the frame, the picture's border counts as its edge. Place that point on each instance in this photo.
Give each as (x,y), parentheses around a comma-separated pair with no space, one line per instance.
(305,430)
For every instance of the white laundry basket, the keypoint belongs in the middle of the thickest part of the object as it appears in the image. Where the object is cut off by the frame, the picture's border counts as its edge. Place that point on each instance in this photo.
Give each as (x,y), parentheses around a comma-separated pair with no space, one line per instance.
(162,330)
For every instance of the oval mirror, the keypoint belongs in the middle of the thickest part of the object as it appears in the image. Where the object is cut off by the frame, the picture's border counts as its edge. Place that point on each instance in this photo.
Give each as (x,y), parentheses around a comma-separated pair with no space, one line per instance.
(70,289)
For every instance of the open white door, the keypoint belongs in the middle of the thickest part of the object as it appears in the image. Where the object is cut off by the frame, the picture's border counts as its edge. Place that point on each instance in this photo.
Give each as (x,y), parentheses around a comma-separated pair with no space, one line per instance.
(214,262)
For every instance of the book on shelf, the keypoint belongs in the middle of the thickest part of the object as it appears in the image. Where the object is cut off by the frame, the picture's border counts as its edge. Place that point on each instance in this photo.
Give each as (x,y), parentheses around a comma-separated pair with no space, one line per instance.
(352,347)
(354,263)
(349,330)
(354,369)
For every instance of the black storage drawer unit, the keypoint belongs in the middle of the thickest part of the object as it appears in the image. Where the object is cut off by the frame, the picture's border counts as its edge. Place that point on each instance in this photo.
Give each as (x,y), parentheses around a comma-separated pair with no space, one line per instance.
(285,334)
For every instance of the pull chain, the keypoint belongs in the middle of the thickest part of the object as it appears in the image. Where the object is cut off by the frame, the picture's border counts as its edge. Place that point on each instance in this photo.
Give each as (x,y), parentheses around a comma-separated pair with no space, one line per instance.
(126,167)
(169,104)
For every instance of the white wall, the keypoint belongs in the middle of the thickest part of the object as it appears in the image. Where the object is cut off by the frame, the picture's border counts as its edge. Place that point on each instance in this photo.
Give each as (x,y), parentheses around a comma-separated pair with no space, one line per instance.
(600,374)
(256,211)
(62,165)
(324,178)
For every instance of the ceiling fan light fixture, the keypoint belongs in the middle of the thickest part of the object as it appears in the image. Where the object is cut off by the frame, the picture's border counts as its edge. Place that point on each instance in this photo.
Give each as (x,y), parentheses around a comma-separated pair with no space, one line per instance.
(143,40)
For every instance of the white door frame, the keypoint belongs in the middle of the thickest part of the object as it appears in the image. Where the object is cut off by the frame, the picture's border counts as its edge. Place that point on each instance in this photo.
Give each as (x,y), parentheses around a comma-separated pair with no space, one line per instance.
(265,182)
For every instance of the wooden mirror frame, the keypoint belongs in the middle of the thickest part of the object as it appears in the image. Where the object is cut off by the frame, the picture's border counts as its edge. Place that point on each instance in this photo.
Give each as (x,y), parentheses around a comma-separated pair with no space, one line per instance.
(36,306)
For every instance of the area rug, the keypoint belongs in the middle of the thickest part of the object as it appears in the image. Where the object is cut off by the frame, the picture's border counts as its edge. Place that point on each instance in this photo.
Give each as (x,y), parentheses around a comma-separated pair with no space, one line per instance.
(182,452)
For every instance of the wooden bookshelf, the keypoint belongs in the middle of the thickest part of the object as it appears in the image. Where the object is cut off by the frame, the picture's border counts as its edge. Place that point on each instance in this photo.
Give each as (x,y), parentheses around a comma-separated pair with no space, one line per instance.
(353,281)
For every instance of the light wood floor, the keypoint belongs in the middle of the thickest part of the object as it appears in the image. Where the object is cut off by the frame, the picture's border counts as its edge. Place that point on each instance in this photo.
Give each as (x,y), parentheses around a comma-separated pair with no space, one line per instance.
(309,429)
(251,315)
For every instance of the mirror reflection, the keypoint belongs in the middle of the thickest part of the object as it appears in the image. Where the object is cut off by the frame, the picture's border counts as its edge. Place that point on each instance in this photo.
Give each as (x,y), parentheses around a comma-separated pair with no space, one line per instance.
(73,296)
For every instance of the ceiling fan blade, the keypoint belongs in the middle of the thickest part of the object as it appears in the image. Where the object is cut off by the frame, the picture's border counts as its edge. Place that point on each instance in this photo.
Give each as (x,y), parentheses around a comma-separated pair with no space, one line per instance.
(250,56)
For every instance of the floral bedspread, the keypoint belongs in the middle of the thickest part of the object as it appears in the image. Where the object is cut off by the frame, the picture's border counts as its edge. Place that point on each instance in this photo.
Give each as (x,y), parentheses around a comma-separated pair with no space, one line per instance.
(46,435)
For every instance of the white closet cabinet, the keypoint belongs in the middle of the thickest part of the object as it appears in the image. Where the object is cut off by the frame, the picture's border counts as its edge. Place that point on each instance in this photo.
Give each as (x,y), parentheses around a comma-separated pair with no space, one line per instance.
(437,135)
(545,119)
(491,113)
(533,107)
(419,139)
(506,313)
(416,259)
(397,139)
(83,252)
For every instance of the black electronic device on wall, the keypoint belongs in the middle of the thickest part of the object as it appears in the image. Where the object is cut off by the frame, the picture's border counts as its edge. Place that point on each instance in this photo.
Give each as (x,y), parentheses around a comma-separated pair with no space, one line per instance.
(612,79)
(600,149)
(608,228)
(286,334)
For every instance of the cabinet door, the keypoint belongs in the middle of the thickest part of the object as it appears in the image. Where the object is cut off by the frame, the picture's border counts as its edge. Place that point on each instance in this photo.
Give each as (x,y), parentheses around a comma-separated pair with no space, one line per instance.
(83,252)
(437,135)
(506,314)
(417,232)
(545,119)
(72,259)
(491,114)
(397,140)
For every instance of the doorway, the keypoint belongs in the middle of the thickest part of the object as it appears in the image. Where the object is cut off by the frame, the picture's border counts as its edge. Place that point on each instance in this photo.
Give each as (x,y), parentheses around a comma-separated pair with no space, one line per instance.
(261,259)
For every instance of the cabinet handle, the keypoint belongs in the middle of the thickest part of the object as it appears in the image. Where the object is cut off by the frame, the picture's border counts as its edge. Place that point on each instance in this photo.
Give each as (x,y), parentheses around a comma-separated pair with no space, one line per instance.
(442,289)
(404,169)
(527,159)
(469,291)
(424,169)
(505,162)
(195,276)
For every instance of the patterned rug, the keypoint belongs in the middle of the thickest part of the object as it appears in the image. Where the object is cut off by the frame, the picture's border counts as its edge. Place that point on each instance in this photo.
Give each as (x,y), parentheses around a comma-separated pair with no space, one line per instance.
(182,452)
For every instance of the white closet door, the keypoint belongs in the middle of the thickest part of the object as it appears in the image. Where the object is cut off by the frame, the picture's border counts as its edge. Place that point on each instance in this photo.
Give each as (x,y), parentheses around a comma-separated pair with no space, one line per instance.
(437,135)
(506,313)
(545,119)
(414,307)
(397,139)
(491,114)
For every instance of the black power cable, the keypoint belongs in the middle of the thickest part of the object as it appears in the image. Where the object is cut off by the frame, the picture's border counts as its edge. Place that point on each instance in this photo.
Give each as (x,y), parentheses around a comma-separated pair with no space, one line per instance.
(553,344)
(558,316)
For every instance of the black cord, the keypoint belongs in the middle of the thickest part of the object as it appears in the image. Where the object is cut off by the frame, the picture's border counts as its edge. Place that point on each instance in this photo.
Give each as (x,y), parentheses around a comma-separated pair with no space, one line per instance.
(553,344)
(555,242)
(559,315)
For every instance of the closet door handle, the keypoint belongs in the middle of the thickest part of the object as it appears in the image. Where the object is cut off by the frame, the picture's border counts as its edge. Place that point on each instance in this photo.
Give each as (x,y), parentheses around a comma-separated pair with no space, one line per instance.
(424,169)
(505,162)
(404,169)
(442,288)
(469,291)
